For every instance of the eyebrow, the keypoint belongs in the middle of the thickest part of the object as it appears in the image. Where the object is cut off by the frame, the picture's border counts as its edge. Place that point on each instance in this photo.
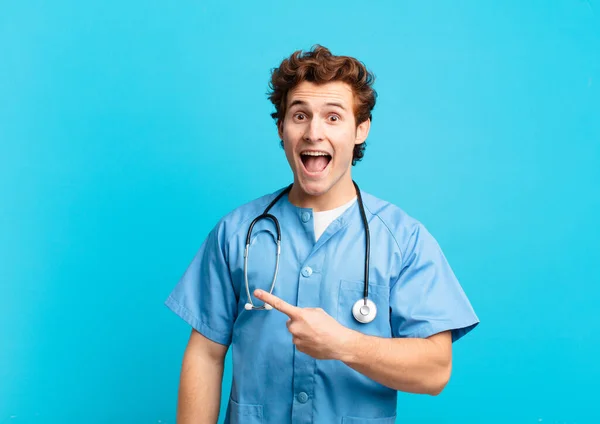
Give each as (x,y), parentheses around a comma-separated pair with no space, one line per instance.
(303,103)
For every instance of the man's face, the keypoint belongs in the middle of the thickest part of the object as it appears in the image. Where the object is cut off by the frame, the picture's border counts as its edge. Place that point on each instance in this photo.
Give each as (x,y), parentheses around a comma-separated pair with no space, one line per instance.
(319,134)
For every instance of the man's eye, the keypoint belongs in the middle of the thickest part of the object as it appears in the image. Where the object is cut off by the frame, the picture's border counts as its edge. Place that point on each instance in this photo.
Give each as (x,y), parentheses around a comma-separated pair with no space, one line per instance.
(299,116)
(334,118)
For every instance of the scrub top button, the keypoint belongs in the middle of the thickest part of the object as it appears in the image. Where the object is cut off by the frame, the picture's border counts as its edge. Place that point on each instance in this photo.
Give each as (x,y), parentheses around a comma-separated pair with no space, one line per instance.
(305,216)
(307,271)
(302,397)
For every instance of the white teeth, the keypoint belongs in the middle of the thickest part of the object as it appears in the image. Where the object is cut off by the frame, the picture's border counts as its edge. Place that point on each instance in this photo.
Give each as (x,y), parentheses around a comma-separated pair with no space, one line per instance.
(316,154)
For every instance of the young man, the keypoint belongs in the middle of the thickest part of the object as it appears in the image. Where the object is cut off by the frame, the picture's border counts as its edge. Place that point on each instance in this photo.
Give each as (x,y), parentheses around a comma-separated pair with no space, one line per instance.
(329,352)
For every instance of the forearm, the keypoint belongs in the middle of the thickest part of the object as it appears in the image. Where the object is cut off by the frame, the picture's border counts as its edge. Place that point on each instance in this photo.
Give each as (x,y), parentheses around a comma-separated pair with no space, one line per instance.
(199,390)
(405,364)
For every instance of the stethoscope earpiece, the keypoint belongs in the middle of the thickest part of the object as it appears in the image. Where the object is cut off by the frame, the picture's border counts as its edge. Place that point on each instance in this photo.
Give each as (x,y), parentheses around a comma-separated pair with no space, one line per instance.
(249,306)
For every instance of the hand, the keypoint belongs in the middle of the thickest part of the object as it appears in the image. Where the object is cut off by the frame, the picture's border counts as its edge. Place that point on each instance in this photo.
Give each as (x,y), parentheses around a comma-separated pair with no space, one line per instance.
(313,330)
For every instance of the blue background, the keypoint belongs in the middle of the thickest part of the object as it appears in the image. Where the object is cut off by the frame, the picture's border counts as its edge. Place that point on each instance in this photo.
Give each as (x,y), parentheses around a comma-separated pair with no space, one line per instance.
(128,129)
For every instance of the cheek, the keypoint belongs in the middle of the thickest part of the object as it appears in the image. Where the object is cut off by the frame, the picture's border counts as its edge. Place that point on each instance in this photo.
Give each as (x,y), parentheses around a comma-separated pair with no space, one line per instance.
(289,136)
(344,146)
(289,146)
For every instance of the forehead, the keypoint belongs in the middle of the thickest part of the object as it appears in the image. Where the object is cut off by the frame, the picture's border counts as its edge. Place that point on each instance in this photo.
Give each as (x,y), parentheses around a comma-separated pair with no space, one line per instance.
(318,94)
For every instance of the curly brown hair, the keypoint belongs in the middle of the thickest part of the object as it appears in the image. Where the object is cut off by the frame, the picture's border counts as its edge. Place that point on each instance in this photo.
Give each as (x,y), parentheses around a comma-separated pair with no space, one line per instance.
(319,66)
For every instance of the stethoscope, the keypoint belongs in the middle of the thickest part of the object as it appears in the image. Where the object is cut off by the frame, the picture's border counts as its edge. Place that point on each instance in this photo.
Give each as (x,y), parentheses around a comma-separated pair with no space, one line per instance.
(364,310)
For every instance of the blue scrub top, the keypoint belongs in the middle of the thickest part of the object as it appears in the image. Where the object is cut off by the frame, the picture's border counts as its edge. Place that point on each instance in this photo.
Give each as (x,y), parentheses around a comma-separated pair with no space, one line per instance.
(410,281)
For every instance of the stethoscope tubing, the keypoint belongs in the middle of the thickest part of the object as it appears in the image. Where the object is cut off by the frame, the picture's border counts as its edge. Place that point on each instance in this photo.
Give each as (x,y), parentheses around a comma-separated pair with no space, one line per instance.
(265,215)
(367,305)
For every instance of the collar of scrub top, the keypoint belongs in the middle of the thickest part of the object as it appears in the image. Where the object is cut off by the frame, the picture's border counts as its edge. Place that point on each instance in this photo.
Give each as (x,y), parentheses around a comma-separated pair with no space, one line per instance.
(364,310)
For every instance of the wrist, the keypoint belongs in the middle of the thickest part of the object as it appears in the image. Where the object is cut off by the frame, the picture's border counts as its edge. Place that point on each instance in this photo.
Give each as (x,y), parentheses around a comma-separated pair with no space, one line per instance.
(350,342)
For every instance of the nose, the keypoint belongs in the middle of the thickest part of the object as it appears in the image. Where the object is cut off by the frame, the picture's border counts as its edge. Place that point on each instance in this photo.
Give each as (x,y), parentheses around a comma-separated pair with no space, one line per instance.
(314,131)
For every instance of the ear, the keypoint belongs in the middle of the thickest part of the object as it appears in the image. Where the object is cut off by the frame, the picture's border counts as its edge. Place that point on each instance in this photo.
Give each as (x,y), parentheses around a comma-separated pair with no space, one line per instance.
(362,132)
(280,129)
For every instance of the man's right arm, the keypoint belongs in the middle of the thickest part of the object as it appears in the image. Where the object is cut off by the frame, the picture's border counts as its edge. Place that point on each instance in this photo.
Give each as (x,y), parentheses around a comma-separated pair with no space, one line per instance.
(199,397)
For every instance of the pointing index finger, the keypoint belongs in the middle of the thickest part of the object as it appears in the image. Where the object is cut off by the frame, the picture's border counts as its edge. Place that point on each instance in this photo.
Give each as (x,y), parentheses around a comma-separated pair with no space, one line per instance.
(277,303)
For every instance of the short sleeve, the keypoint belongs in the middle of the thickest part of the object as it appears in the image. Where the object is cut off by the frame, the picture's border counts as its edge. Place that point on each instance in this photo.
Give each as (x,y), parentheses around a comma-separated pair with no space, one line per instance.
(427,298)
(204,296)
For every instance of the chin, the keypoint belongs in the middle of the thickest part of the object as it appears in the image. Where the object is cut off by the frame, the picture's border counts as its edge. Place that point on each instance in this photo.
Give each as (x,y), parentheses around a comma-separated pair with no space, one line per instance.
(314,188)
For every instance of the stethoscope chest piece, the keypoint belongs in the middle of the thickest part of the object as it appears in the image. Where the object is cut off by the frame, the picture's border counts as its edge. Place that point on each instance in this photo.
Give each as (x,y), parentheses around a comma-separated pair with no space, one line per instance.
(364,313)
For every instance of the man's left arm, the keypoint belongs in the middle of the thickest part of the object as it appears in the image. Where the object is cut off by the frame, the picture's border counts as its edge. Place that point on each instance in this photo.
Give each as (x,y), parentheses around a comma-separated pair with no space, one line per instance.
(411,365)
(416,365)
(428,312)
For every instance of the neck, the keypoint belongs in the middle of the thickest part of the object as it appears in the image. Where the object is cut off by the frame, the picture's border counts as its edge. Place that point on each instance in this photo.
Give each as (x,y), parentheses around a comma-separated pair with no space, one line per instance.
(341,193)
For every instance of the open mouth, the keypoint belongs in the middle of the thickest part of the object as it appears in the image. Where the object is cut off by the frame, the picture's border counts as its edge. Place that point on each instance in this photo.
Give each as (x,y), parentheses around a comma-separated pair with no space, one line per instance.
(315,162)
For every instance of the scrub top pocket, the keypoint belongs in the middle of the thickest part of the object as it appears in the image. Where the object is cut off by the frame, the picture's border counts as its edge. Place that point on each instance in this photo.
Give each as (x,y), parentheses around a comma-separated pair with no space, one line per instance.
(349,293)
(245,414)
